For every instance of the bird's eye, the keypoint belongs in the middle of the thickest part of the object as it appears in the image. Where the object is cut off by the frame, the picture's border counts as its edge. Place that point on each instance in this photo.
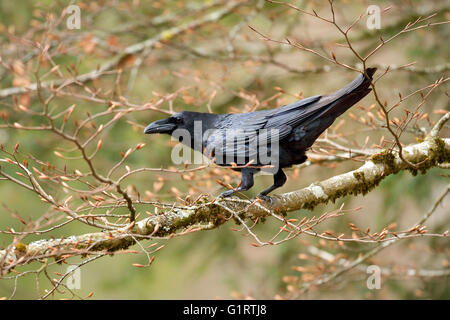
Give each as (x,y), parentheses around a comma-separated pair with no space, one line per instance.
(177,120)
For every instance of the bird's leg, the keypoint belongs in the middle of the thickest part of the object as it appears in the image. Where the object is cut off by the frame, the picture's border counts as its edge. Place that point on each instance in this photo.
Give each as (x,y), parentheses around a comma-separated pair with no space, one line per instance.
(246,182)
(279,179)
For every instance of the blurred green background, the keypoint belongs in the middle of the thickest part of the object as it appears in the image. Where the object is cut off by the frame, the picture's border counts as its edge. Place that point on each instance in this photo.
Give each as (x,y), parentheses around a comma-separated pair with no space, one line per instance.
(222,263)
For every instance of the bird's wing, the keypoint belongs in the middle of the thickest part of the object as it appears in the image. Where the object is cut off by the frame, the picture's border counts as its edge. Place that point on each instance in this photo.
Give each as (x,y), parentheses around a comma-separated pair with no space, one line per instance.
(282,119)
(235,139)
(290,116)
(260,128)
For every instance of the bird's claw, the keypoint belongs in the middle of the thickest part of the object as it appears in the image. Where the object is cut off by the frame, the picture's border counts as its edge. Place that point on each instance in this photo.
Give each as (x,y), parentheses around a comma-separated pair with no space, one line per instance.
(265,198)
(226,194)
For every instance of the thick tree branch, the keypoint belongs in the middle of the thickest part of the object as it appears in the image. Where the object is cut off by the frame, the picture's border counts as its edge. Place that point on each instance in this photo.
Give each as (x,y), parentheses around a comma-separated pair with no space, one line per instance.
(211,214)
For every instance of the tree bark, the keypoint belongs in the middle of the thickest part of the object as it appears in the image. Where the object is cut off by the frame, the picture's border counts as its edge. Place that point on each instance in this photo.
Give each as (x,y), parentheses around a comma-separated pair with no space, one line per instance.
(207,214)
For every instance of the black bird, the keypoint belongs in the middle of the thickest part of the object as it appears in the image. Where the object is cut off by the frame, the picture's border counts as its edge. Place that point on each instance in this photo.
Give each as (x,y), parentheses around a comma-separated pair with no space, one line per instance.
(292,129)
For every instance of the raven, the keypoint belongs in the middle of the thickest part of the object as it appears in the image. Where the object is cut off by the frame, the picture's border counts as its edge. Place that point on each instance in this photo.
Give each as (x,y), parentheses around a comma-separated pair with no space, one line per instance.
(284,133)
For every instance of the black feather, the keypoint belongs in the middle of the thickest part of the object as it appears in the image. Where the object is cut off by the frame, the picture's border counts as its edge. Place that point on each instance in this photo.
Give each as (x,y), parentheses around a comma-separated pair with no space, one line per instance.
(293,127)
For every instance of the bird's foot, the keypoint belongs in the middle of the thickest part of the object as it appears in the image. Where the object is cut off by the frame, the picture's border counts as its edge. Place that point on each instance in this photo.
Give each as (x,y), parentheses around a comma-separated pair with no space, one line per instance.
(227,193)
(265,198)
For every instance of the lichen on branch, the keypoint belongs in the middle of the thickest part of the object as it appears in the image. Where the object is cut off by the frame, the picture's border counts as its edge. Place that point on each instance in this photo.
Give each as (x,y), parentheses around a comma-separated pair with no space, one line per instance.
(206,214)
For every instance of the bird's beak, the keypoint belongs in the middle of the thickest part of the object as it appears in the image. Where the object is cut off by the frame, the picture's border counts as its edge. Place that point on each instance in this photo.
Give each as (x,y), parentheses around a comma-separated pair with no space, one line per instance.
(160,126)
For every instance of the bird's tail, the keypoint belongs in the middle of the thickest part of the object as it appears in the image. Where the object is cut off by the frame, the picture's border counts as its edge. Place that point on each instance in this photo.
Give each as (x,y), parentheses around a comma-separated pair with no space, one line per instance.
(346,97)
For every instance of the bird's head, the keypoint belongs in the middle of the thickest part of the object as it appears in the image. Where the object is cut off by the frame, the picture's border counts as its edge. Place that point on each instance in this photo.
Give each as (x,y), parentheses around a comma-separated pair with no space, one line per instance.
(181,120)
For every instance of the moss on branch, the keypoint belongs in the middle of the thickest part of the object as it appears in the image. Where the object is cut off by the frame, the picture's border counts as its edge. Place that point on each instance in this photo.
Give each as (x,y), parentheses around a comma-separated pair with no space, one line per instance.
(210,214)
